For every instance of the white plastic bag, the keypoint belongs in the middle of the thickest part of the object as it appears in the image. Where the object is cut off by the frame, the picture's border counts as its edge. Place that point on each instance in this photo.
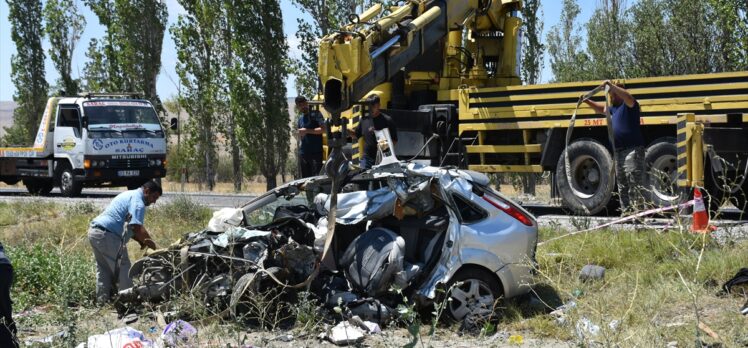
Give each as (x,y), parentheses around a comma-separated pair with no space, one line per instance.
(125,337)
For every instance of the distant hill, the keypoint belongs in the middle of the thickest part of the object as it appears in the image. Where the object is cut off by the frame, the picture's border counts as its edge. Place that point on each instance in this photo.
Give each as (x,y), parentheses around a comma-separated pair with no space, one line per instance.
(6,114)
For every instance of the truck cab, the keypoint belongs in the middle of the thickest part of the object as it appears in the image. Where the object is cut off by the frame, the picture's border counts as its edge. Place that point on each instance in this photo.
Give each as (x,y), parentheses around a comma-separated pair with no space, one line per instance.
(94,140)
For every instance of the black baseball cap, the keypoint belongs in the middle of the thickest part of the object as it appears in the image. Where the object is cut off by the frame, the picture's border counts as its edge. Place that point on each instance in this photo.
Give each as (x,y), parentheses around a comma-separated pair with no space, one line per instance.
(374,99)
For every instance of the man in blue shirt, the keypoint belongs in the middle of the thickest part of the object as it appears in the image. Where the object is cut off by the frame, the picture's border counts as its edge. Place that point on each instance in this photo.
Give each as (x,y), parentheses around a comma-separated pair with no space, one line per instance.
(629,142)
(7,325)
(109,236)
(310,126)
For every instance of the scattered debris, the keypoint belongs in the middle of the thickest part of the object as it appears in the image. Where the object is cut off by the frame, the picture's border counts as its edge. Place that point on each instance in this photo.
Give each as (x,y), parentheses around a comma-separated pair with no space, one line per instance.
(130,318)
(344,334)
(586,329)
(561,312)
(592,272)
(283,338)
(178,333)
(122,337)
(46,340)
(708,330)
(516,340)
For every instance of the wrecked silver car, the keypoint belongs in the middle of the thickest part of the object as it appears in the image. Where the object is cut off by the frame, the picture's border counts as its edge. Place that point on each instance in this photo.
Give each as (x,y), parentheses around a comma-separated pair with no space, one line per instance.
(403,227)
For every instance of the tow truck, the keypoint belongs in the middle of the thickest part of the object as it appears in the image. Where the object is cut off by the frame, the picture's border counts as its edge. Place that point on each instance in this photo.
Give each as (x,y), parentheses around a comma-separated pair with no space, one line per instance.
(92,140)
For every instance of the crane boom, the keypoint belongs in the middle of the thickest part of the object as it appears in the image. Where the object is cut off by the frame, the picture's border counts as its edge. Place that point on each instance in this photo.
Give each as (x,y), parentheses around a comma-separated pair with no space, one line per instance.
(363,54)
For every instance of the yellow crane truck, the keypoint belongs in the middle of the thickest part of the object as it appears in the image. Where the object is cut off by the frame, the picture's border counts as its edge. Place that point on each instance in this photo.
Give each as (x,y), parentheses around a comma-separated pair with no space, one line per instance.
(447,71)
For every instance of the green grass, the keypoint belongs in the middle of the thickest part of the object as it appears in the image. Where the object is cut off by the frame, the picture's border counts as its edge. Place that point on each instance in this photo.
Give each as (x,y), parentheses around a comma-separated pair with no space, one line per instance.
(658,285)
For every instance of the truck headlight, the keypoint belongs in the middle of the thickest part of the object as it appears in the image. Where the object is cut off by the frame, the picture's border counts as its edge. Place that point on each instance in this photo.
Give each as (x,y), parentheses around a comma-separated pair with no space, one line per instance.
(158,162)
(151,163)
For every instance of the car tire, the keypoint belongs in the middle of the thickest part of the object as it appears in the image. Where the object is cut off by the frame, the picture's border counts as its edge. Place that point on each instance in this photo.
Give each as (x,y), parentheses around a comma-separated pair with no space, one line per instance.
(472,292)
(591,165)
(38,187)
(69,187)
(662,174)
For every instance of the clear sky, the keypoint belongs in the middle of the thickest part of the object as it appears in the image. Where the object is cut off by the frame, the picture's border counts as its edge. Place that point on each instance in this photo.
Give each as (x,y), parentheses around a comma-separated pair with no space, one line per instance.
(166,88)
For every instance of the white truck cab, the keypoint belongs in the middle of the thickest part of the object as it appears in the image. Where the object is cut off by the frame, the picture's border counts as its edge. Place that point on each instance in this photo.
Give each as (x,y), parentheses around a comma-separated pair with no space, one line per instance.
(90,140)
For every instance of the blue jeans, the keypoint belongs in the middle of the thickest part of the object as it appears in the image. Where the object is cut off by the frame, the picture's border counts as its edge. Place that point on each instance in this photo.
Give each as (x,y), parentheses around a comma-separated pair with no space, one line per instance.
(365,162)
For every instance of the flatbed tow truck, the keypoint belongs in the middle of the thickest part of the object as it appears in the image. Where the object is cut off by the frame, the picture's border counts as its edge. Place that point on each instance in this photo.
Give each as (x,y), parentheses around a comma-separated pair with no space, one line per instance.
(93,140)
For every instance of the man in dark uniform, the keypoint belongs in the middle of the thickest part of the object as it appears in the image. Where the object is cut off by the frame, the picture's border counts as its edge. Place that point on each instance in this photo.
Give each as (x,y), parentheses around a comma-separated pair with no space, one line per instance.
(310,126)
(7,326)
(629,142)
(366,127)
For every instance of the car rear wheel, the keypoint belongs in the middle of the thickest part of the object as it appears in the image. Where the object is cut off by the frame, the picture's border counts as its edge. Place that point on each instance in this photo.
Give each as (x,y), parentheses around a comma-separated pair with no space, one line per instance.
(472,293)
(591,166)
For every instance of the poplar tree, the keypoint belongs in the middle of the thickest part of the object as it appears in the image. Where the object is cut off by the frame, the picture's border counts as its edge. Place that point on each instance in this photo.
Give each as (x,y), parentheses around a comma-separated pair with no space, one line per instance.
(26,71)
(63,27)
(264,128)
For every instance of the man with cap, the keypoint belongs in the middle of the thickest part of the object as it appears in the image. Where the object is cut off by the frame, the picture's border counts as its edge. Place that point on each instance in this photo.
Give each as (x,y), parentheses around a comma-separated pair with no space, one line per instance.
(7,325)
(366,127)
(310,126)
(109,236)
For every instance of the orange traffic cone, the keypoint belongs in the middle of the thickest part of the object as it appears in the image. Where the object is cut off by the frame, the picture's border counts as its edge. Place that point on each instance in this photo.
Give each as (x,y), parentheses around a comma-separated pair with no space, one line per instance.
(700,222)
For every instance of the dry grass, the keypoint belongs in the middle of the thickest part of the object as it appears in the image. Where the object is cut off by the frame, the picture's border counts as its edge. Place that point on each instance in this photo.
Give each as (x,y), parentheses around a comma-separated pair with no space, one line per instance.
(648,287)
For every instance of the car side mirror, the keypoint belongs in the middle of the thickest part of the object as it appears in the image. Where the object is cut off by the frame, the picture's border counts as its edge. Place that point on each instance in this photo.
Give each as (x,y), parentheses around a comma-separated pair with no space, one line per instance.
(84,122)
(174,123)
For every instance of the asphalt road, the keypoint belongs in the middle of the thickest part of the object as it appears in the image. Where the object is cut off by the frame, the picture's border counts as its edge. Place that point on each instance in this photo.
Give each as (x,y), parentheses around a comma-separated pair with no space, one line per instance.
(103,197)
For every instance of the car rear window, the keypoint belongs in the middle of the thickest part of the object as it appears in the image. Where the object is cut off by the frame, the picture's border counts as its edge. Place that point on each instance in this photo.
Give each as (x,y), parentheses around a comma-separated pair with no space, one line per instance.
(469,212)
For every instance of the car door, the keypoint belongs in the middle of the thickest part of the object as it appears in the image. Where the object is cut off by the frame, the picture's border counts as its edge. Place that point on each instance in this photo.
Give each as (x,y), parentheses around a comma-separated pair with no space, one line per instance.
(68,134)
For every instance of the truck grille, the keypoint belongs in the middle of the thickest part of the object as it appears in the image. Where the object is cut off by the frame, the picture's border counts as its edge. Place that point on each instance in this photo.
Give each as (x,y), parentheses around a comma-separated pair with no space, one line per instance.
(129,163)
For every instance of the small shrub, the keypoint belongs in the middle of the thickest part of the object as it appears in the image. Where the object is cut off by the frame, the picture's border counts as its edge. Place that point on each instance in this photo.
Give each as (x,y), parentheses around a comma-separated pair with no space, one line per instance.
(48,274)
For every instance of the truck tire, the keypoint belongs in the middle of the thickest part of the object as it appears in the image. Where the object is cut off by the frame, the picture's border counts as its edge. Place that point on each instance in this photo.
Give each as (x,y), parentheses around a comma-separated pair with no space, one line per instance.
(591,165)
(38,187)
(662,175)
(69,187)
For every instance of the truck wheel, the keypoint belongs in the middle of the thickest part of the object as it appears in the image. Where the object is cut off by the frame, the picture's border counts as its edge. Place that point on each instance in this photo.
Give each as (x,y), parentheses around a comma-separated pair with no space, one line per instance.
(662,175)
(591,167)
(38,186)
(68,185)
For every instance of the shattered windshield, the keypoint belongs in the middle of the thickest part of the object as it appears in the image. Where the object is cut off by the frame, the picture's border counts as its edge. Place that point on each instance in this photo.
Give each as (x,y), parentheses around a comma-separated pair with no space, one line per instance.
(119,113)
(262,211)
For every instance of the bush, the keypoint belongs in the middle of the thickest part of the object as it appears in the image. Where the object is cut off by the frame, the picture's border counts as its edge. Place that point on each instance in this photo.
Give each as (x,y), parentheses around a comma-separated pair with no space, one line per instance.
(50,274)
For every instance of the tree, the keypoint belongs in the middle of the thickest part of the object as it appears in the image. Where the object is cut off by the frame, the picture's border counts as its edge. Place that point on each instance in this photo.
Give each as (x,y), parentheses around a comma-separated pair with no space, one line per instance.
(64,26)
(131,48)
(608,41)
(532,61)
(235,89)
(195,35)
(27,70)
(264,128)
(731,34)
(649,46)
(568,62)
